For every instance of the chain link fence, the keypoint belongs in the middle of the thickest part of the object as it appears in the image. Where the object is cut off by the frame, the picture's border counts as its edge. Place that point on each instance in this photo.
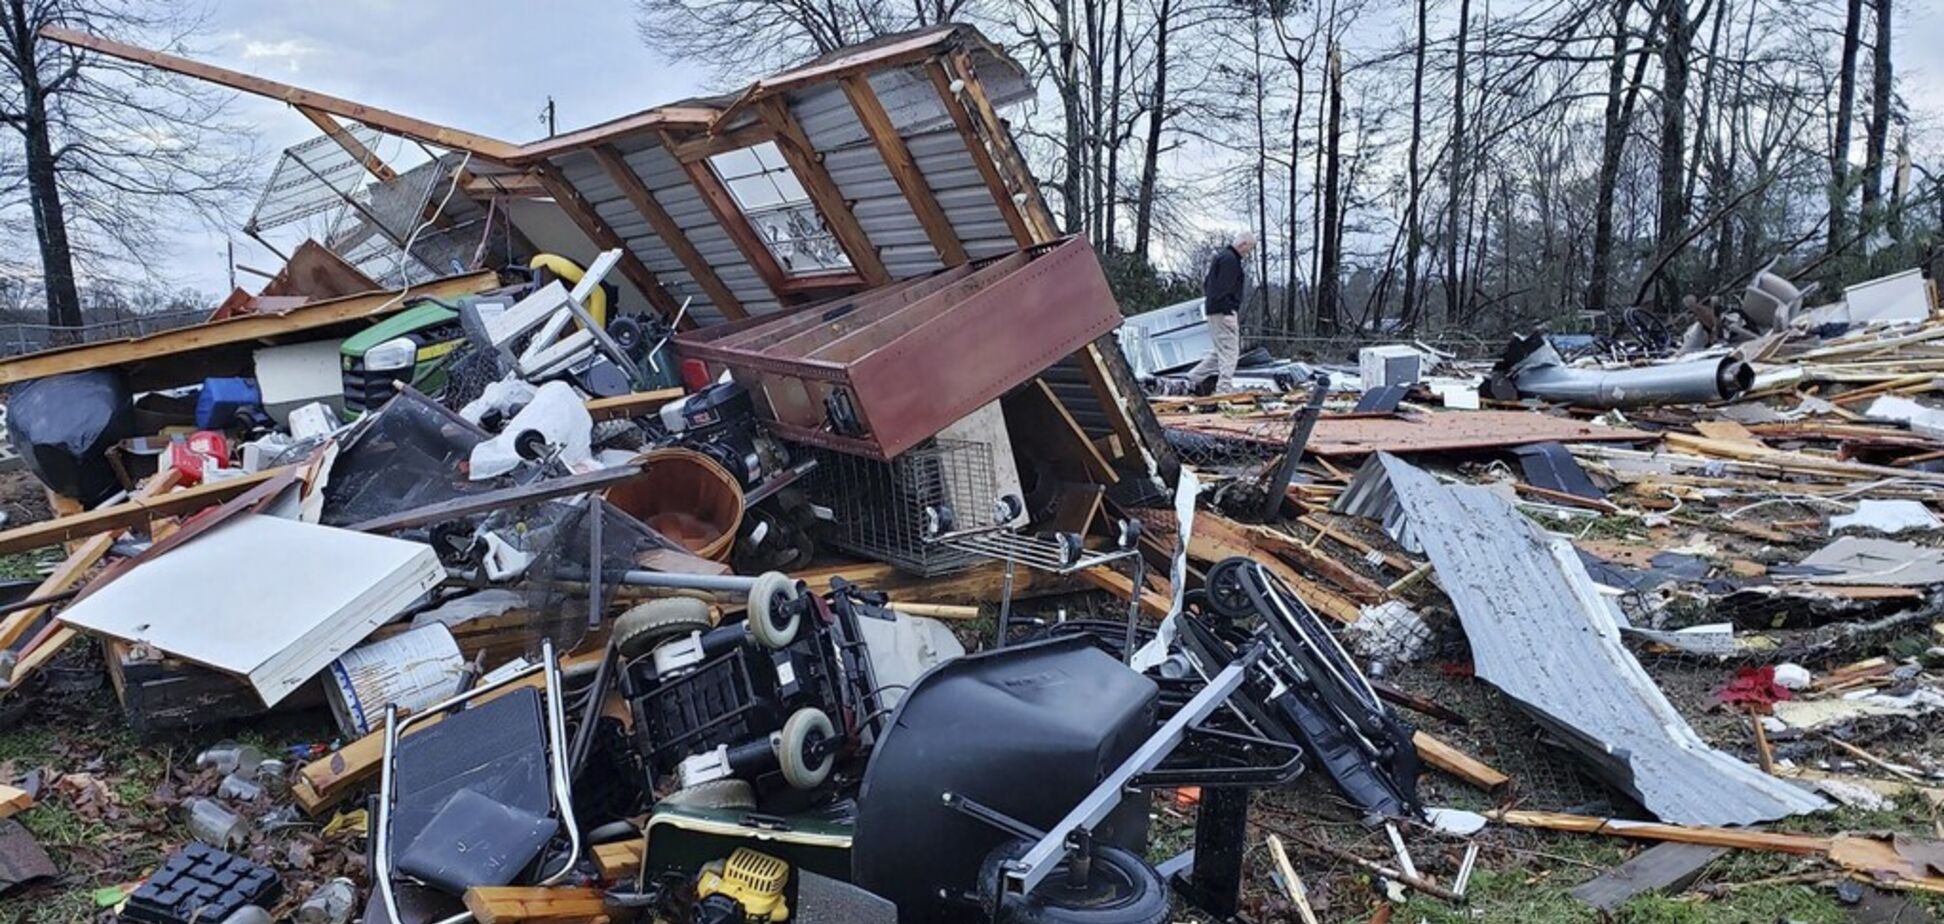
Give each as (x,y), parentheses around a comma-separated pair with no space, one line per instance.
(18,338)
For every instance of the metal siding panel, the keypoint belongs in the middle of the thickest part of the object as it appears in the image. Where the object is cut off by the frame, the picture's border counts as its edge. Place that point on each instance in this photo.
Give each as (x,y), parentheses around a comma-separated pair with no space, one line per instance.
(1541,632)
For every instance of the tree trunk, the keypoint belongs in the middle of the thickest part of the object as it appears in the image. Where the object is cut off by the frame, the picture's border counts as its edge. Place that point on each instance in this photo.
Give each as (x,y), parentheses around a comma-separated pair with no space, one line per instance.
(1845,114)
(1291,297)
(1458,157)
(1095,90)
(1151,153)
(1328,280)
(43,188)
(1880,102)
(1619,114)
(1676,47)
(1413,236)
(1261,190)
(1073,189)
(1111,182)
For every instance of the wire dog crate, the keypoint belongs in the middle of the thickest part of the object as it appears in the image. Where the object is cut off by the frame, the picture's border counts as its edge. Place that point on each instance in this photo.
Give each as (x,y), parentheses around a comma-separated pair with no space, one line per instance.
(886,510)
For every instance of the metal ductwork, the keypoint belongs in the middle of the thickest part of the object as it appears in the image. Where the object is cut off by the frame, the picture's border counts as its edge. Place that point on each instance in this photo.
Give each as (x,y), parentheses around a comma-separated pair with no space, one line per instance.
(1531,368)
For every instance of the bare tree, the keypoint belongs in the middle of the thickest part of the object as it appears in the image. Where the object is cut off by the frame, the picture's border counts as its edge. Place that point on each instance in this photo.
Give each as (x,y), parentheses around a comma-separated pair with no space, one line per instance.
(1839,179)
(734,39)
(114,155)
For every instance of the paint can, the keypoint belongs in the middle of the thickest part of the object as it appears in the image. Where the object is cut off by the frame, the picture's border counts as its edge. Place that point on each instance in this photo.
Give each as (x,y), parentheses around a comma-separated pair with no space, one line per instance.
(411,670)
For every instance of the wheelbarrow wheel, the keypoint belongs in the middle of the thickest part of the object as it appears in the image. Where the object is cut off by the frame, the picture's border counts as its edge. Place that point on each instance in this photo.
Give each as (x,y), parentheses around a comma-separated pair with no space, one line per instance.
(799,750)
(773,622)
(642,628)
(1119,889)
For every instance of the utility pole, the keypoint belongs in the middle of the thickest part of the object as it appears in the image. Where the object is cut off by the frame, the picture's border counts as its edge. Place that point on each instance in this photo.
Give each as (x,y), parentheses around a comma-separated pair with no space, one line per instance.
(547,116)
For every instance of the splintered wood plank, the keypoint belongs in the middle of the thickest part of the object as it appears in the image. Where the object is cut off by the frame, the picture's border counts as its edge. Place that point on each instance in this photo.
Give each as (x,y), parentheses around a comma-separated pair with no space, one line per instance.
(1428,432)
(1736,838)
(85,556)
(247,329)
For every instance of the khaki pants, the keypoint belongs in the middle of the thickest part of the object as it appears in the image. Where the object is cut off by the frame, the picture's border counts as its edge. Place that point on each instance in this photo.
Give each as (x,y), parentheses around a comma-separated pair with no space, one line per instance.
(1226,331)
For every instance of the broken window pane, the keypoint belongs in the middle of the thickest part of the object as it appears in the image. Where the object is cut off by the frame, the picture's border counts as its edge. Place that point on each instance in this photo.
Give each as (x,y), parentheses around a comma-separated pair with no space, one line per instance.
(777,206)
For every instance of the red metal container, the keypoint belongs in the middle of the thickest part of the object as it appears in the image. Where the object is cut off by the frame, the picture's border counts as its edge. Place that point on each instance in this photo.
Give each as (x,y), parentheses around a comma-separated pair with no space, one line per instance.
(879,372)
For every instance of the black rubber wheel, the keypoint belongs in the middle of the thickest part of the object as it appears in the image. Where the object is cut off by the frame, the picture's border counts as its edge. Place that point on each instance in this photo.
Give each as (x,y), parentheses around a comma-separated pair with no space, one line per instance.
(627,334)
(1120,889)
(1228,592)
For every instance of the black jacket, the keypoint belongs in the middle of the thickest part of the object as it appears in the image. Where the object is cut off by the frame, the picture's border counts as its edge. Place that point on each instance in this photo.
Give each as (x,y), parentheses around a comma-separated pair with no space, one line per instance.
(1222,287)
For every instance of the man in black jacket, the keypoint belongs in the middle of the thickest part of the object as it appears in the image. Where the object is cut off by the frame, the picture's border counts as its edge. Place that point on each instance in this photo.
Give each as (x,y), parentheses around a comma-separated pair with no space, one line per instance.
(1221,298)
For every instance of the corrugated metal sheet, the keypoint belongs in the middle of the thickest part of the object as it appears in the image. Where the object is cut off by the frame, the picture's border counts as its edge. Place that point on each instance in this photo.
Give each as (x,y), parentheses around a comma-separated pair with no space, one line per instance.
(1541,632)
(854,164)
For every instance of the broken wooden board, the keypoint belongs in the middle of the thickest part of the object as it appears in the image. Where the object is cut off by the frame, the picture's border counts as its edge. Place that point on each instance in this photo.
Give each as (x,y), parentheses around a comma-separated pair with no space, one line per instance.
(1664,868)
(1430,432)
(535,905)
(13,801)
(1894,862)
(187,355)
(1450,759)
(1210,544)
(620,861)
(981,584)
(1736,838)
(137,511)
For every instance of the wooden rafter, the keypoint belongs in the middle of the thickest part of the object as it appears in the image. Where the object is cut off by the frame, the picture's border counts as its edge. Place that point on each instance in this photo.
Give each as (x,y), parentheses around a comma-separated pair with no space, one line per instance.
(703,147)
(1002,194)
(904,169)
(729,215)
(381,119)
(351,145)
(604,237)
(807,164)
(671,234)
(999,142)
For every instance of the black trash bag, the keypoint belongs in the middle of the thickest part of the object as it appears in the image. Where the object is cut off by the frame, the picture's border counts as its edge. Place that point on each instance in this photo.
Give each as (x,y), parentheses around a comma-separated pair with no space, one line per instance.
(63,425)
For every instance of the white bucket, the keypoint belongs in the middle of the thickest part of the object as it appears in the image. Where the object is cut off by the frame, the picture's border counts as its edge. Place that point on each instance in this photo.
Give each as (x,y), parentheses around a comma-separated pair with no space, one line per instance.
(411,670)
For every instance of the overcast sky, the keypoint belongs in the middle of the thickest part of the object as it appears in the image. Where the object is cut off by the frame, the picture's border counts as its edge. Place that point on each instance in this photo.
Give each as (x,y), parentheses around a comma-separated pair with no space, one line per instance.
(488,66)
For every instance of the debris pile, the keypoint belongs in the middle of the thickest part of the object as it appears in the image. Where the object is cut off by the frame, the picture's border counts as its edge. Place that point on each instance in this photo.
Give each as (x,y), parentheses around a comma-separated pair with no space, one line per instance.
(878,592)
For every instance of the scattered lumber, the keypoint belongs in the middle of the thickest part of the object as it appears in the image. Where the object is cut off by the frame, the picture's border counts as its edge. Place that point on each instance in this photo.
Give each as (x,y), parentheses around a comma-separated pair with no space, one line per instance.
(136,511)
